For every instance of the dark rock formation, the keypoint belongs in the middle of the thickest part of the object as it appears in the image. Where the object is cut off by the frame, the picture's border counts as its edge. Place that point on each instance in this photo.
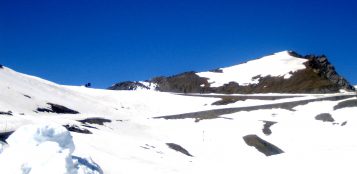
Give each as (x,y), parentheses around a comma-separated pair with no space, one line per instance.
(321,66)
(59,109)
(178,148)
(319,77)
(128,85)
(75,128)
(266,127)
(5,135)
(1,66)
(6,113)
(261,145)
(217,70)
(95,120)
(188,82)
(27,96)
(346,104)
(325,117)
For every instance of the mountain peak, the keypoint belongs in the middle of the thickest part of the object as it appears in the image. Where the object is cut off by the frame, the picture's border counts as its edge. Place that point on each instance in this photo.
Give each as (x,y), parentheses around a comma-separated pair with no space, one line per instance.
(281,72)
(280,64)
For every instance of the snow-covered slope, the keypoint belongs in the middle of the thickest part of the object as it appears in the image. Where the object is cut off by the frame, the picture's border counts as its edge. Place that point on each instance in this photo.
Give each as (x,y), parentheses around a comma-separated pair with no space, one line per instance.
(315,132)
(279,64)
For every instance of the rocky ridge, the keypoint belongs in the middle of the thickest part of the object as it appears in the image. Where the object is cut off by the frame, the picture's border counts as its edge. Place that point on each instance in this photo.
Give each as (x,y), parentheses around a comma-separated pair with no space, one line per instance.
(319,76)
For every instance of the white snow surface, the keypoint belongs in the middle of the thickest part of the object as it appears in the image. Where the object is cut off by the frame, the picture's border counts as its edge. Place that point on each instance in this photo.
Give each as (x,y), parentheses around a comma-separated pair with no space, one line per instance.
(41,149)
(134,142)
(279,64)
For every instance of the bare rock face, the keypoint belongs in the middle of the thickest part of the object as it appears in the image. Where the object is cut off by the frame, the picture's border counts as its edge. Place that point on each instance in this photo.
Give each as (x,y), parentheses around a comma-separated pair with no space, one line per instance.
(56,108)
(321,66)
(346,104)
(325,117)
(319,76)
(128,85)
(188,82)
(178,148)
(261,145)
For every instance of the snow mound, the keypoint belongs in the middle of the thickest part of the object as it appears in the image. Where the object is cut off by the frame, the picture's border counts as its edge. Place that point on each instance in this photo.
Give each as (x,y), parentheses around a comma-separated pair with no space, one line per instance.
(40,149)
(279,64)
(36,135)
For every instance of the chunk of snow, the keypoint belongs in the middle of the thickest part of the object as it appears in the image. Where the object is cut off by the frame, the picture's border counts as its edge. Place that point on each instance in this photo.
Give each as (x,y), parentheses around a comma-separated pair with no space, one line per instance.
(41,149)
(31,135)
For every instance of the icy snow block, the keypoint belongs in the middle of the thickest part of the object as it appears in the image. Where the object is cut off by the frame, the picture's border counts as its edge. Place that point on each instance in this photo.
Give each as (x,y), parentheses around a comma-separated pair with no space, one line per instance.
(37,134)
(39,149)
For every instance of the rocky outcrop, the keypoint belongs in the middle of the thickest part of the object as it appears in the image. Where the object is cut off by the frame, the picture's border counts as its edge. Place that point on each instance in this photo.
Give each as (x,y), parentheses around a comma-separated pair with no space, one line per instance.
(321,66)
(178,148)
(346,104)
(188,82)
(9,113)
(325,117)
(128,85)
(4,136)
(266,127)
(56,108)
(95,120)
(261,145)
(319,76)
(75,128)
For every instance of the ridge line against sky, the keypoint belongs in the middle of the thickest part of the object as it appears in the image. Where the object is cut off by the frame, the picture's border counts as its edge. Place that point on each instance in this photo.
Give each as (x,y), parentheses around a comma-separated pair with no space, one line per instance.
(103,42)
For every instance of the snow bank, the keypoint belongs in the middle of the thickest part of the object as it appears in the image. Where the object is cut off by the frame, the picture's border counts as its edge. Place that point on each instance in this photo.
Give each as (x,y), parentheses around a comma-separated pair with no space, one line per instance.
(278,64)
(42,149)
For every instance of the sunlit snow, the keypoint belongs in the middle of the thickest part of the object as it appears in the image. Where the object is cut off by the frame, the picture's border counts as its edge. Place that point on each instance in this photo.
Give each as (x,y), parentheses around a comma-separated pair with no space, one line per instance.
(279,64)
(135,142)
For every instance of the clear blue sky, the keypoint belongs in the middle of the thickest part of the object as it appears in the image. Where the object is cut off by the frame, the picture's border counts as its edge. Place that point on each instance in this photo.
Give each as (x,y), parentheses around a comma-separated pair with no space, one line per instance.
(77,41)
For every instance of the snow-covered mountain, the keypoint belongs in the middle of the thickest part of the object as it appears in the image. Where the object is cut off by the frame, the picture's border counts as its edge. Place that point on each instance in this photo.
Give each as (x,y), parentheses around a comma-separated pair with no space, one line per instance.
(137,131)
(286,71)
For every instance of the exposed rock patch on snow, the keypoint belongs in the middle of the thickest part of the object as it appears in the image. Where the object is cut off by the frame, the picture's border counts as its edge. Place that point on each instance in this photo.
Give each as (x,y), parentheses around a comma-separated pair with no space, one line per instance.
(78,129)
(133,85)
(9,113)
(59,109)
(179,148)
(5,135)
(261,145)
(97,120)
(325,117)
(266,127)
(346,104)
